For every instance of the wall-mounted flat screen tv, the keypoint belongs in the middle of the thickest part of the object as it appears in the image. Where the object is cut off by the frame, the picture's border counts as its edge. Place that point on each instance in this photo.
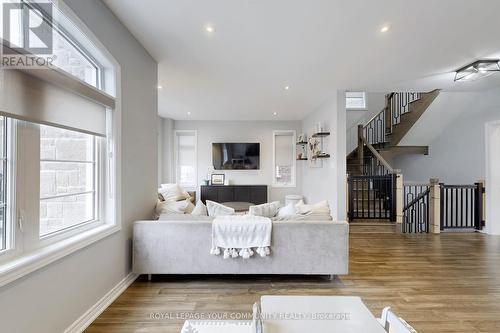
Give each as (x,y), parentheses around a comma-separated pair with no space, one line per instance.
(236,156)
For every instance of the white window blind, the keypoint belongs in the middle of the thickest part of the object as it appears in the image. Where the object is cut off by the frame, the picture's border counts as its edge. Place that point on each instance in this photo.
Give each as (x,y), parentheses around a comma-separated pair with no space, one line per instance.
(284,158)
(185,150)
(38,97)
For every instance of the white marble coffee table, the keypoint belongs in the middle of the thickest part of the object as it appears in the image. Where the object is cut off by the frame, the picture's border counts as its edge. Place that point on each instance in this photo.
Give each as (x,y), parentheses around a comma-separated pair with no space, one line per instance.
(299,314)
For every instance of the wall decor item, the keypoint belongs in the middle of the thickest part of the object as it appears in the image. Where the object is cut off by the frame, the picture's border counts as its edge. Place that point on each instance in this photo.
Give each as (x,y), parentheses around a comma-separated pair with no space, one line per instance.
(217,179)
(314,147)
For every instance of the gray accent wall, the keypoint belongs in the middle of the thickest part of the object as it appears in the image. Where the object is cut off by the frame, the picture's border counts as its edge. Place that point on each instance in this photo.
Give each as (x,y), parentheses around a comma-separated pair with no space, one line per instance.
(242,131)
(51,299)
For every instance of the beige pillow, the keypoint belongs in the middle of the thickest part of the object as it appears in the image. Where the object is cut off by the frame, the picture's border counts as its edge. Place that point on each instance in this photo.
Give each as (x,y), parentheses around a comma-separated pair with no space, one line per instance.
(320,208)
(173,192)
(216,209)
(189,207)
(171,207)
(200,209)
(265,210)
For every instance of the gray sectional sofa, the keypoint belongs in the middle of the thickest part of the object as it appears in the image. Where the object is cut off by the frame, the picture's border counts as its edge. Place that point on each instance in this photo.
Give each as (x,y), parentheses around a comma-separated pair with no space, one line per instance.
(182,246)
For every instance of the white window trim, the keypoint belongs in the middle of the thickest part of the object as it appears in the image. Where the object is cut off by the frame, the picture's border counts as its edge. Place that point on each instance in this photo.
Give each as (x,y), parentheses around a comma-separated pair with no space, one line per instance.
(176,158)
(358,109)
(15,264)
(294,171)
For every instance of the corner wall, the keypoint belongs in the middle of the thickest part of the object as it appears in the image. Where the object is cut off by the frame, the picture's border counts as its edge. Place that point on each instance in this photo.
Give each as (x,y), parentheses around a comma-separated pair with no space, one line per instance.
(52,298)
(328,182)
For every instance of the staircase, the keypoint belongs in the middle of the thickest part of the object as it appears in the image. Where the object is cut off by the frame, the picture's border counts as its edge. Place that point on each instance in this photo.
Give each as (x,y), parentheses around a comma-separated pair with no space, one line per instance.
(385,130)
(372,180)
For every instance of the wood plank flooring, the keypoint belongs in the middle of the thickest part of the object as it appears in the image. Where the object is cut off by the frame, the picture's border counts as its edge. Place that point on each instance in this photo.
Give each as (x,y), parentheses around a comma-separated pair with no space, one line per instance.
(438,283)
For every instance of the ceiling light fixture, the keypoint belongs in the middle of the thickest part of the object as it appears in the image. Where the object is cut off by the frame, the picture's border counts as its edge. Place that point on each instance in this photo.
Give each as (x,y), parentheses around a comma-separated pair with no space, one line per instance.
(385,28)
(287,87)
(160,87)
(275,113)
(477,70)
(189,113)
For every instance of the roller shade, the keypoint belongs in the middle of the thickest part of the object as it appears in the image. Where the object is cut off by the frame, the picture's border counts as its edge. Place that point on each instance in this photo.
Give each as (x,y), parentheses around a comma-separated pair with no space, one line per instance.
(49,97)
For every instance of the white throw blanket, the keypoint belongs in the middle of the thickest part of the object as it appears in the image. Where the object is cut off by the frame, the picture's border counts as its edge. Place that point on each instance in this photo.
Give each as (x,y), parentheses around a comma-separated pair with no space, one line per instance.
(237,236)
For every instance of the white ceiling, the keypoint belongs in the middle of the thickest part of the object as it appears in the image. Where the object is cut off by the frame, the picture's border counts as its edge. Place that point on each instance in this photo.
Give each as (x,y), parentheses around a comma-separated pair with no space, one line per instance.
(315,46)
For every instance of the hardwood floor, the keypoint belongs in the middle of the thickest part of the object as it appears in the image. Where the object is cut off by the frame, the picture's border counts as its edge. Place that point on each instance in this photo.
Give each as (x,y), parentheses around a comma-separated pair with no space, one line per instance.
(438,283)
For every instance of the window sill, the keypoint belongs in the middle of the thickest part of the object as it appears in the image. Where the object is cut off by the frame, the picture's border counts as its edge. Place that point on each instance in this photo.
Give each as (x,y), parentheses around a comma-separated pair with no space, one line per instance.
(30,262)
(356,109)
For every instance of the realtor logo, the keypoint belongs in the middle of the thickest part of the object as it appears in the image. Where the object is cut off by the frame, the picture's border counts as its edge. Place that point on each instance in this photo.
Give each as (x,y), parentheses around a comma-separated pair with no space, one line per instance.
(27,28)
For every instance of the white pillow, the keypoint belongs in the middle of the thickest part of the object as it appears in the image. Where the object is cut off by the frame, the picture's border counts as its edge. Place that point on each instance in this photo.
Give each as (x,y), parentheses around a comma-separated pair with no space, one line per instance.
(200,209)
(288,210)
(190,207)
(173,192)
(265,210)
(321,208)
(216,209)
(171,207)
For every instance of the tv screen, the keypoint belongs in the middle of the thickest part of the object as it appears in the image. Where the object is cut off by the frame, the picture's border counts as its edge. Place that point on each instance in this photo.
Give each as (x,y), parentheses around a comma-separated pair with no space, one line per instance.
(236,156)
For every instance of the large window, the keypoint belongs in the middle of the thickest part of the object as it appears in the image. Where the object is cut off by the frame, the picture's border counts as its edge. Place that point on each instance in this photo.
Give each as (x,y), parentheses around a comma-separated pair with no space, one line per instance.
(68,53)
(68,178)
(3,183)
(185,158)
(57,142)
(355,100)
(284,158)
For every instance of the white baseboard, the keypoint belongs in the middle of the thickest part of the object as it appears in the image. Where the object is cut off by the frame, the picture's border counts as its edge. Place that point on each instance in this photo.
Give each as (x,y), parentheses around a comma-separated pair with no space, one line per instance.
(91,314)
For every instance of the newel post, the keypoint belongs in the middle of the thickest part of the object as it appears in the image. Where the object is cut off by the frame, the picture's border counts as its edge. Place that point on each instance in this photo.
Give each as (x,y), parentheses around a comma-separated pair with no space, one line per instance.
(399,196)
(435,207)
(361,149)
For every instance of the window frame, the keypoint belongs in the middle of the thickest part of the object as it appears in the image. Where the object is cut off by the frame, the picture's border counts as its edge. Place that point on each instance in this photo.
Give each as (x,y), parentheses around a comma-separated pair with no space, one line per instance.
(363,108)
(293,135)
(193,185)
(59,29)
(21,260)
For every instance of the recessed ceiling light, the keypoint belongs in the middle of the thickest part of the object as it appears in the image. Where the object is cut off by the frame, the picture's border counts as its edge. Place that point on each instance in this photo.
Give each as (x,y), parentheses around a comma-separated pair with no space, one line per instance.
(189,113)
(385,28)
(160,87)
(275,113)
(209,28)
(287,87)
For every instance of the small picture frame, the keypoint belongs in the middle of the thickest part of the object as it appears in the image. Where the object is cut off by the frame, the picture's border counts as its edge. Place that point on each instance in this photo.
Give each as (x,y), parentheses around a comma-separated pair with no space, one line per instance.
(217,179)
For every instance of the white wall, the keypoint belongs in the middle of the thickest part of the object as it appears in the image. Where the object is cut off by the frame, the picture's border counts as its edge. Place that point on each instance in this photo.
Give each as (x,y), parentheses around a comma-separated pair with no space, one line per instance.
(244,131)
(457,153)
(166,150)
(50,299)
(329,181)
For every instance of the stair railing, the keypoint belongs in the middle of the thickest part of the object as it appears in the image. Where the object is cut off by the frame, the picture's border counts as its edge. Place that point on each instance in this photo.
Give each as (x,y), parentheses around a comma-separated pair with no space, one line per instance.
(374,164)
(397,104)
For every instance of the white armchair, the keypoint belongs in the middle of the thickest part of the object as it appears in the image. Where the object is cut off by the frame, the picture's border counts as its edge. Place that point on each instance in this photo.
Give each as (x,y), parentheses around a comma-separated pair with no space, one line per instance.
(394,324)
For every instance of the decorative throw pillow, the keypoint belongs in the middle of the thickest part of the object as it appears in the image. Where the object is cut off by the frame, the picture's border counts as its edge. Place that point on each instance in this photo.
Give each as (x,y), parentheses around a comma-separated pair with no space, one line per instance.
(216,209)
(265,210)
(172,207)
(320,208)
(173,192)
(189,207)
(288,210)
(200,209)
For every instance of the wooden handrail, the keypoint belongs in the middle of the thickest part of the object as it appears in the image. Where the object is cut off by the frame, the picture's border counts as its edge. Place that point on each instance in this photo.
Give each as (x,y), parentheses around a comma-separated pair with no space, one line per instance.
(372,118)
(377,155)
(417,199)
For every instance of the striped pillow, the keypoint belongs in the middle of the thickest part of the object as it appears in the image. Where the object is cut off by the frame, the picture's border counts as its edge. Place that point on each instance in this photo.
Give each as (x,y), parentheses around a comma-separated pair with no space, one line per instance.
(216,209)
(265,210)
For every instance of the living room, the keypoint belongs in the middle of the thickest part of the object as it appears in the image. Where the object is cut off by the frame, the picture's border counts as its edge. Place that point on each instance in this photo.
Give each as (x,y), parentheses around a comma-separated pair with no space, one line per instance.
(249,166)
